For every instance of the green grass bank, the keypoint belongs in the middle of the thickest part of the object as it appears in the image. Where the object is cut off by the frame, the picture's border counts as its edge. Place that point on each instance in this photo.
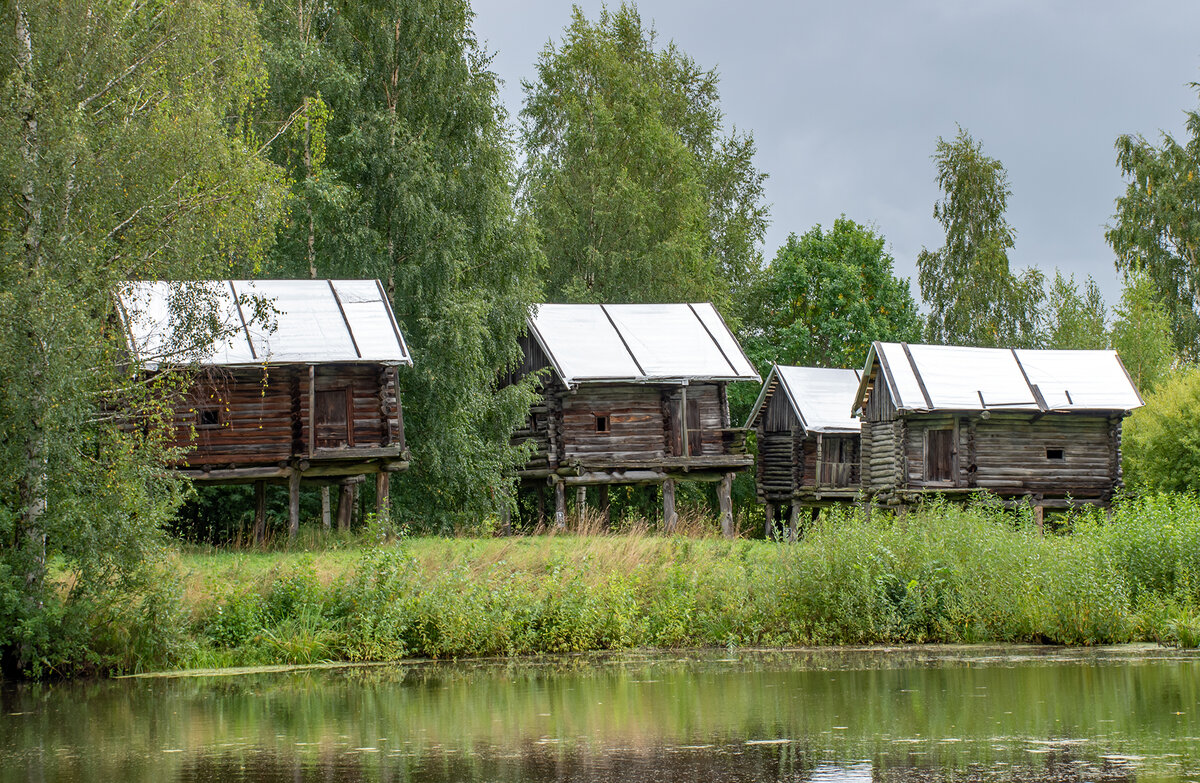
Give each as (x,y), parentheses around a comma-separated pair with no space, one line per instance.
(942,574)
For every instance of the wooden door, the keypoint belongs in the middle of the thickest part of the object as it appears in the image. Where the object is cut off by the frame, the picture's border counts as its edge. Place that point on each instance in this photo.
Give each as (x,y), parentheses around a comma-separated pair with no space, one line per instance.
(332,419)
(939,455)
(695,435)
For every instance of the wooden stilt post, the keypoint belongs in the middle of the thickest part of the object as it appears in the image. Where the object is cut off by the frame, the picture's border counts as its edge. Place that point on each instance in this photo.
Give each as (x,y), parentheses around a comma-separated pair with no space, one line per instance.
(605,518)
(345,505)
(580,505)
(383,495)
(670,518)
(560,505)
(1039,518)
(793,518)
(541,505)
(505,518)
(294,503)
(769,522)
(260,511)
(725,501)
(325,507)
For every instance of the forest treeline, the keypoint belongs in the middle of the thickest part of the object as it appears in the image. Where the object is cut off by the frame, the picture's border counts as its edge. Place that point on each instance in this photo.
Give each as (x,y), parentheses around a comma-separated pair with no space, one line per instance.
(191,139)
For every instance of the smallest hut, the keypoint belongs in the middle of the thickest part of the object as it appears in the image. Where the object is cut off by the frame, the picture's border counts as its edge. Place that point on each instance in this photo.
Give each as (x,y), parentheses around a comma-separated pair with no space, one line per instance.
(808,441)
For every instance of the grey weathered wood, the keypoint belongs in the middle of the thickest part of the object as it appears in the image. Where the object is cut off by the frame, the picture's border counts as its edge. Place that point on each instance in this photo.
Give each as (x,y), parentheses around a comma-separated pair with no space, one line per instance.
(793,517)
(560,505)
(769,522)
(580,504)
(345,511)
(670,518)
(383,495)
(725,501)
(260,511)
(325,508)
(294,503)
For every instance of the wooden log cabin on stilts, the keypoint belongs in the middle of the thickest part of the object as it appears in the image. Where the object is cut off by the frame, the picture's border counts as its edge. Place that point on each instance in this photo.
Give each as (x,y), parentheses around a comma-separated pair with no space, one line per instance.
(633,394)
(808,442)
(292,381)
(1037,427)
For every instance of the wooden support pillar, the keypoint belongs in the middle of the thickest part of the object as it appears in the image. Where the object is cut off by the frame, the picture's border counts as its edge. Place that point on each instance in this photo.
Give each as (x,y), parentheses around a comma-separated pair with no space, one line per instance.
(670,518)
(383,493)
(769,523)
(793,518)
(605,516)
(345,510)
(560,505)
(541,505)
(294,503)
(325,507)
(260,511)
(725,501)
(580,505)
(505,519)
(1039,518)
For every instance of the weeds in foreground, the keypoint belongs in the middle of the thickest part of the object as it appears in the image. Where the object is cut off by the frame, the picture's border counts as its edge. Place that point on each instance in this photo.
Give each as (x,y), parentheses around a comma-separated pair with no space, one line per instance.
(942,574)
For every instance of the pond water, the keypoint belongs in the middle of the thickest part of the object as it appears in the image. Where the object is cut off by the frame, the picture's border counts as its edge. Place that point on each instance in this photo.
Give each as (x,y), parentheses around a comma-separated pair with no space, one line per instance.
(908,714)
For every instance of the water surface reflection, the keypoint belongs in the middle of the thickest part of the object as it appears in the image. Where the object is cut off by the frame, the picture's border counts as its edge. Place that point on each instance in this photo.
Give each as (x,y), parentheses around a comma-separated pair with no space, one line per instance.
(927,714)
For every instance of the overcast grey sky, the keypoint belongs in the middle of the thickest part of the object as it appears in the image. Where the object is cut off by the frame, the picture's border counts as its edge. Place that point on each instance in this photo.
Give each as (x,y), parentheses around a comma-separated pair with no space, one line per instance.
(846,101)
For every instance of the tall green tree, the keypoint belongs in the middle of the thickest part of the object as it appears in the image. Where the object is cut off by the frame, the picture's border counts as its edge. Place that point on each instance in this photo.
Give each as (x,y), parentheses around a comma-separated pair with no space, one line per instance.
(973,296)
(825,297)
(636,189)
(1074,318)
(1141,333)
(118,161)
(414,185)
(1157,224)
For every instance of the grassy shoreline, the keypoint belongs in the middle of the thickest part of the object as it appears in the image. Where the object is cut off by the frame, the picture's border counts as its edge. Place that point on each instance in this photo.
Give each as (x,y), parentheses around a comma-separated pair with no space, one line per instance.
(941,575)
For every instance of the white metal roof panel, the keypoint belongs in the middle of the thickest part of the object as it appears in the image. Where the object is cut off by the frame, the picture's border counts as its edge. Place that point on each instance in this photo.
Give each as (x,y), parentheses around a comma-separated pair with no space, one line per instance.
(582,343)
(956,377)
(638,343)
(905,388)
(716,326)
(822,396)
(248,322)
(1069,380)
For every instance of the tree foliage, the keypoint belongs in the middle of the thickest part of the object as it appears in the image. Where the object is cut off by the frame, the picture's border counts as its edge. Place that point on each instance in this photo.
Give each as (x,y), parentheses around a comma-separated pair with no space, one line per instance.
(117,161)
(1161,451)
(825,297)
(637,192)
(1158,224)
(404,172)
(1074,319)
(973,296)
(1141,333)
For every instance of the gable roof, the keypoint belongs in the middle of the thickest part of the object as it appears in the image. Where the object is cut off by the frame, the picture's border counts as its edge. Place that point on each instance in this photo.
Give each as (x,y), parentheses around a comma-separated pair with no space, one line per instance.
(817,395)
(639,343)
(959,378)
(242,323)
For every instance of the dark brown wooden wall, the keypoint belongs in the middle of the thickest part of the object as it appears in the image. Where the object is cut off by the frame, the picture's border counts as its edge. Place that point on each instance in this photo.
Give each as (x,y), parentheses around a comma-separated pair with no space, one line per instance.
(264,412)
(635,415)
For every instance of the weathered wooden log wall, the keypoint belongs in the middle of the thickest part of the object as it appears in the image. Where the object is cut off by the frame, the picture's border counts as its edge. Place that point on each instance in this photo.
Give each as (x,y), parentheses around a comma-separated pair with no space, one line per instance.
(261,416)
(635,423)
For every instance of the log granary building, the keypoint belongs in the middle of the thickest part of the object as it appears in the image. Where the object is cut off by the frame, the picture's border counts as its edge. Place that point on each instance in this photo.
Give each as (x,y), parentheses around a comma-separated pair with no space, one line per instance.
(1042,427)
(632,394)
(808,441)
(294,380)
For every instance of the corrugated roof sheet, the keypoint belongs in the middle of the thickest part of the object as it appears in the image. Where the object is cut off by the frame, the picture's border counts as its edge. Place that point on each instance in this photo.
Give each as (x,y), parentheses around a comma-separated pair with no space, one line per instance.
(639,343)
(948,377)
(819,396)
(251,322)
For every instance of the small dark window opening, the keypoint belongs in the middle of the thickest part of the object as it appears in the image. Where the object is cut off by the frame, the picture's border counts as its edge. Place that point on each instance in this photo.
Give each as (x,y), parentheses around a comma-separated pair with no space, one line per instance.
(602,424)
(1056,454)
(209,417)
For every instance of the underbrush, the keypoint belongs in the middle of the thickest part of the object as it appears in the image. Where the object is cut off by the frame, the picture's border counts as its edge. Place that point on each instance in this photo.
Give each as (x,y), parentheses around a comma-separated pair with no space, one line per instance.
(940,574)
